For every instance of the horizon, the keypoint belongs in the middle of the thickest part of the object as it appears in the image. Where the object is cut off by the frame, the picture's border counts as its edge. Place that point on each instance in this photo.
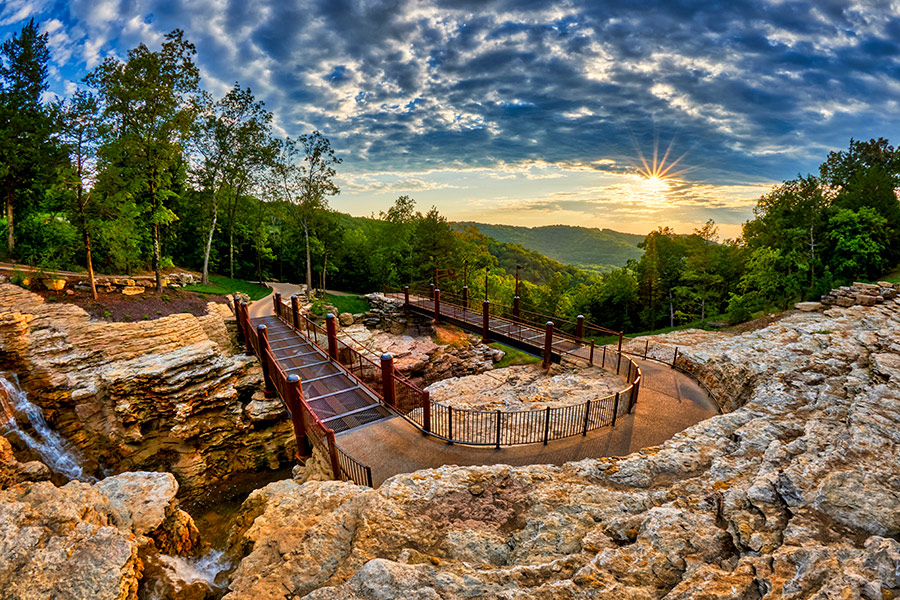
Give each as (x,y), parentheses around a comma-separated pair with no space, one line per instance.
(577,114)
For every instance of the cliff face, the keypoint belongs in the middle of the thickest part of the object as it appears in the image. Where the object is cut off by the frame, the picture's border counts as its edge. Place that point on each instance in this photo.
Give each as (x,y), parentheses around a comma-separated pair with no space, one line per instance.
(794,493)
(169,394)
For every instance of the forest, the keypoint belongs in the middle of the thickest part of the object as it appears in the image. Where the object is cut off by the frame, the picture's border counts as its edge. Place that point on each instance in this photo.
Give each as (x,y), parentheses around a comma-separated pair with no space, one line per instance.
(141,169)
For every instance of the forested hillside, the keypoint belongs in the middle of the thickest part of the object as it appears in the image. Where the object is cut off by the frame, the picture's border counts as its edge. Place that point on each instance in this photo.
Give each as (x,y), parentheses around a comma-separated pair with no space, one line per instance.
(591,249)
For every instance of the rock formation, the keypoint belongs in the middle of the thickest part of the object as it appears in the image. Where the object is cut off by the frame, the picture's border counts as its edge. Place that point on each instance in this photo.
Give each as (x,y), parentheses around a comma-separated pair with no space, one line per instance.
(795,493)
(168,394)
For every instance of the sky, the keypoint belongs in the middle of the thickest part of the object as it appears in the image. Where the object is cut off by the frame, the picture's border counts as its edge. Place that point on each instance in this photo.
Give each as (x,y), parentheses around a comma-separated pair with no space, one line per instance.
(532,112)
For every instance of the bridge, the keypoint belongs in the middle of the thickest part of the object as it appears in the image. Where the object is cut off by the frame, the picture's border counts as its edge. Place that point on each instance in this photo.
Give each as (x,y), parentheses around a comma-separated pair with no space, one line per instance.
(372,423)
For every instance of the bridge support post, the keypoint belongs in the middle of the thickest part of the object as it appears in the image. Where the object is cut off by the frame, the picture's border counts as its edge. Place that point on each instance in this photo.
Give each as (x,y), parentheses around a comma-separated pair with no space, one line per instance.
(619,360)
(331,332)
(426,410)
(485,322)
(406,299)
(277,300)
(388,389)
(579,327)
(294,404)
(615,409)
(245,315)
(548,344)
(437,306)
(516,308)
(238,320)
(332,454)
(465,294)
(295,311)
(263,334)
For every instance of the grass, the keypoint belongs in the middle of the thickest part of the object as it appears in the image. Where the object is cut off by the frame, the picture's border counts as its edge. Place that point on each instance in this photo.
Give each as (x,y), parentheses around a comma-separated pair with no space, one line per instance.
(892,277)
(221,286)
(350,304)
(513,357)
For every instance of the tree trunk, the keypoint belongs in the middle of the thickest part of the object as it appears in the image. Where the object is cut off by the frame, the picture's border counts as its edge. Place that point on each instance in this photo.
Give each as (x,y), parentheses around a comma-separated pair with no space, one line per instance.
(209,239)
(703,309)
(324,268)
(90,263)
(231,251)
(671,311)
(309,288)
(10,239)
(156,258)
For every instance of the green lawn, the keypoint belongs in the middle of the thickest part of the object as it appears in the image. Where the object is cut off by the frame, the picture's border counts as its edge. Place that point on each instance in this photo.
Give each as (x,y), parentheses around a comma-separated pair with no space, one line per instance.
(221,286)
(893,276)
(513,356)
(350,304)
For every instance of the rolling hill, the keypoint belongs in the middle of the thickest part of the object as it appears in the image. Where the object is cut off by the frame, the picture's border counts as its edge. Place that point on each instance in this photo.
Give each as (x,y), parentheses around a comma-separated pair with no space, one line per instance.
(595,250)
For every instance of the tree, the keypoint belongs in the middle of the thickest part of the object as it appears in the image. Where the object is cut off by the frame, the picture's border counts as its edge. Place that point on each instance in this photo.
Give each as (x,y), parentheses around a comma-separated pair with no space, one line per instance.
(234,146)
(149,110)
(304,173)
(858,241)
(80,116)
(31,156)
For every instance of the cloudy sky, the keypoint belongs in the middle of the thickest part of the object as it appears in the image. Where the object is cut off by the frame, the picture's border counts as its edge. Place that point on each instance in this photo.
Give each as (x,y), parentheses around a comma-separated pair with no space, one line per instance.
(532,112)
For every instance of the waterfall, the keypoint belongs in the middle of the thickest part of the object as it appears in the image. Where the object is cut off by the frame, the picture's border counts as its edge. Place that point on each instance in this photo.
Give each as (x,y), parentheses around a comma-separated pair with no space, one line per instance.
(23,418)
(178,573)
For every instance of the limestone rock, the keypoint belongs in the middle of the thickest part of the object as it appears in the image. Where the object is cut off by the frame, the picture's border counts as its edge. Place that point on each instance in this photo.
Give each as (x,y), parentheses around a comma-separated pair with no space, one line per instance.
(139,500)
(167,394)
(346,319)
(791,494)
(808,306)
(132,290)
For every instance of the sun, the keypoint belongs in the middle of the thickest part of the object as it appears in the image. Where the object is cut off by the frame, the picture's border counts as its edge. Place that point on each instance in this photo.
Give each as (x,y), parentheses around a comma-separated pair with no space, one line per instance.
(657,173)
(655,183)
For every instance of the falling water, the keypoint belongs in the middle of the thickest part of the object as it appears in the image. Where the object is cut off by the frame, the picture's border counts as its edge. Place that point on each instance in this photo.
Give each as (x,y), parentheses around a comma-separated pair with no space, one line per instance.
(18,414)
(179,572)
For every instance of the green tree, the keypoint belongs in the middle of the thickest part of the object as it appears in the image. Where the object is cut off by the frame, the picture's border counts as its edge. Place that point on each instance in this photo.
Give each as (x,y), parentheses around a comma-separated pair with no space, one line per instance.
(234,146)
(858,241)
(31,155)
(149,110)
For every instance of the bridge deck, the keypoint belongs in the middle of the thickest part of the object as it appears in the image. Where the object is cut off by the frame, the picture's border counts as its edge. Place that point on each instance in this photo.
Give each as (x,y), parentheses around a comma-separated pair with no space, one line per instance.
(338,399)
(522,335)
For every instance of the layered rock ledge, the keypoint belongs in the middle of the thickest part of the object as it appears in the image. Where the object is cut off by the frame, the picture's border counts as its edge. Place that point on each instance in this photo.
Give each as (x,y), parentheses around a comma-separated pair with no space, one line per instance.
(795,493)
(167,394)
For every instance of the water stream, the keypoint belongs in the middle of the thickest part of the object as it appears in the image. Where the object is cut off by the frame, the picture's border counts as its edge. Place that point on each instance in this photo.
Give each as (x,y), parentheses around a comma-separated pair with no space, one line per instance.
(23,419)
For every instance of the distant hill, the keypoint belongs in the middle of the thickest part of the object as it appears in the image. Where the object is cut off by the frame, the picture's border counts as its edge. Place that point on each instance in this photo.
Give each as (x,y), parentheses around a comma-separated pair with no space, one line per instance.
(595,250)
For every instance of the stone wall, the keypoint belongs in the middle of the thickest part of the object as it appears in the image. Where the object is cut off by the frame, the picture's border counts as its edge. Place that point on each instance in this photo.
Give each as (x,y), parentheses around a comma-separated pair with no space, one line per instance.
(168,394)
(862,294)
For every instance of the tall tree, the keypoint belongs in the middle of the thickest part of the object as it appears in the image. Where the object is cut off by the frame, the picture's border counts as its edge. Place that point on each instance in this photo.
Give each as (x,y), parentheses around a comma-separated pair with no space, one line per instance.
(80,116)
(149,110)
(234,146)
(304,175)
(30,154)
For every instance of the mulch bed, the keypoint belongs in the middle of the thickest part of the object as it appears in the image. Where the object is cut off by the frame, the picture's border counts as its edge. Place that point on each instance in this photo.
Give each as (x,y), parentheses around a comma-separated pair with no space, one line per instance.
(115,306)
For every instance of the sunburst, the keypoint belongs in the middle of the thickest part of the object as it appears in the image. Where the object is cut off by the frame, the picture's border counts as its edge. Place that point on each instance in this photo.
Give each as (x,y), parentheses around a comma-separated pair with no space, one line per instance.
(657,173)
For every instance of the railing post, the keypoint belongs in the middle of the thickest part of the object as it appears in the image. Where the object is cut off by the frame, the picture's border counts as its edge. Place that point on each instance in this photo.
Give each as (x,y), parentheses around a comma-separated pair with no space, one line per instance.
(603,359)
(295,312)
(619,361)
(369,476)
(547,426)
(485,322)
(437,307)
(675,358)
(432,291)
(332,454)
(591,359)
(465,295)
(579,327)
(635,389)
(548,344)
(646,348)
(587,414)
(263,335)
(426,410)
(499,414)
(516,308)
(388,390)
(277,300)
(615,410)
(331,331)
(450,424)
(239,319)
(295,393)
(406,299)
(245,315)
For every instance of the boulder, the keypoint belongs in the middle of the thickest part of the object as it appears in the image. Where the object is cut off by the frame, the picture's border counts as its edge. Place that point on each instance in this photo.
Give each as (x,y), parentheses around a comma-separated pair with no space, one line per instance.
(346,319)
(54,284)
(132,290)
(808,306)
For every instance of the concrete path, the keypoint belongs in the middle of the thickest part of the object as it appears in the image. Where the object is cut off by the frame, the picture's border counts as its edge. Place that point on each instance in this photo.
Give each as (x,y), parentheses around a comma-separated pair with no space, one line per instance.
(264,307)
(669,402)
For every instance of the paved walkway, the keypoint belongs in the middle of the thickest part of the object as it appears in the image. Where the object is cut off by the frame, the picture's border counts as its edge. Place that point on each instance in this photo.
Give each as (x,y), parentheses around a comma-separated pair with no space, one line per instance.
(669,402)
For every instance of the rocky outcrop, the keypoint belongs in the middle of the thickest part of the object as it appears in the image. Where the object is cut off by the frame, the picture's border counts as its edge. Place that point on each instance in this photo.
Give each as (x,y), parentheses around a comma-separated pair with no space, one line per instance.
(168,394)
(83,541)
(863,294)
(793,494)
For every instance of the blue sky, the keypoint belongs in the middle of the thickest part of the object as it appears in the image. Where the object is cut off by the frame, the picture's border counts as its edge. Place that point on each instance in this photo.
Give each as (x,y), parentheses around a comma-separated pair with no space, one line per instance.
(532,112)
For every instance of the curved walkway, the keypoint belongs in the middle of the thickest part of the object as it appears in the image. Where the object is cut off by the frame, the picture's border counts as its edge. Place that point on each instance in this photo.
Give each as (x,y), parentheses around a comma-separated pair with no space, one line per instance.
(669,402)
